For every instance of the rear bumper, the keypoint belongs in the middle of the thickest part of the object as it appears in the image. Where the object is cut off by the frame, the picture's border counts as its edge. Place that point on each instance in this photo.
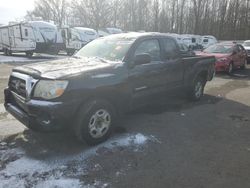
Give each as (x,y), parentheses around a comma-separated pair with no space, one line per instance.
(40,115)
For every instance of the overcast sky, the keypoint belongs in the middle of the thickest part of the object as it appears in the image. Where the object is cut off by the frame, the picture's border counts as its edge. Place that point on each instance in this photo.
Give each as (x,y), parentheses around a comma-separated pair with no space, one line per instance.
(11,10)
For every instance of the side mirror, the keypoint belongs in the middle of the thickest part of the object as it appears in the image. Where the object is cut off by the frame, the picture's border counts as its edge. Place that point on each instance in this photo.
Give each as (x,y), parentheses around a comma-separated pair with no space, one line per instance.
(142,59)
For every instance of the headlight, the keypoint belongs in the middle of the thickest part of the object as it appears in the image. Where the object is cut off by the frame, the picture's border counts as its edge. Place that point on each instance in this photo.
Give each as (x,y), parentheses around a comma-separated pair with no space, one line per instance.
(49,89)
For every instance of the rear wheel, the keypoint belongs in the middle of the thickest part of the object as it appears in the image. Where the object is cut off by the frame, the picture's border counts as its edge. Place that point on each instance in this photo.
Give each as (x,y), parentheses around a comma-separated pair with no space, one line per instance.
(197,89)
(5,51)
(29,54)
(94,122)
(70,52)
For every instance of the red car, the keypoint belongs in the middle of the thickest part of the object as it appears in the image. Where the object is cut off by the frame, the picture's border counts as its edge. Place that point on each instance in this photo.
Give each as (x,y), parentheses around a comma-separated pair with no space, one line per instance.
(229,56)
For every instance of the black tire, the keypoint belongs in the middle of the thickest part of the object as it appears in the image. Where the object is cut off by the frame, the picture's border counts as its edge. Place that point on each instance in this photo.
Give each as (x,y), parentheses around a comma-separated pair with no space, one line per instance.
(5,52)
(70,52)
(243,67)
(196,91)
(29,54)
(9,52)
(86,117)
(230,68)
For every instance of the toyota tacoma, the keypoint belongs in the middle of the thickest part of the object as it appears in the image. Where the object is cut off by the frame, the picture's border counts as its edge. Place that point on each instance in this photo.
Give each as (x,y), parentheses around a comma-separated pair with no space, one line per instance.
(107,77)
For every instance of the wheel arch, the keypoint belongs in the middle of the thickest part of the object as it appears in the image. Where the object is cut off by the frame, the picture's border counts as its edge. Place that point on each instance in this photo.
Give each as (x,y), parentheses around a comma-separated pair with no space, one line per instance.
(118,100)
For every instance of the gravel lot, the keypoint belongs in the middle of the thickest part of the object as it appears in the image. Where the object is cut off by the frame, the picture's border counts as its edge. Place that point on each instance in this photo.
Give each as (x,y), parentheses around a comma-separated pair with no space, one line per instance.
(174,143)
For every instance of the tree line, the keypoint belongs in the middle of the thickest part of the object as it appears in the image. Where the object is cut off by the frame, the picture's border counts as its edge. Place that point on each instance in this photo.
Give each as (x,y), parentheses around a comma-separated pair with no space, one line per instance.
(225,19)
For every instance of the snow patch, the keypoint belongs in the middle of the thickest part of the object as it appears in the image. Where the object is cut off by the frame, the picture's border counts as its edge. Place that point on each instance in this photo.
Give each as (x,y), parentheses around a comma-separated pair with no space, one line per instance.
(12,183)
(34,168)
(2,109)
(62,183)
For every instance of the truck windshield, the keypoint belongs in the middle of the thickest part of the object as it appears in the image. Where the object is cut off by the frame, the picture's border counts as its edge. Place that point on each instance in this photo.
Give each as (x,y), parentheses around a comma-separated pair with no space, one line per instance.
(223,49)
(109,49)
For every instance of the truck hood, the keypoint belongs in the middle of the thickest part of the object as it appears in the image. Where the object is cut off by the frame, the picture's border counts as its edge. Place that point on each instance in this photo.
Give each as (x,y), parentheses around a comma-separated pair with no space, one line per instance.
(65,68)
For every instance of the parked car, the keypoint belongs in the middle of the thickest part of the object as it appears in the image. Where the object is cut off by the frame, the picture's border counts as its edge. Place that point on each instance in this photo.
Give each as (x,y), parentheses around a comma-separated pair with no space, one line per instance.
(246,45)
(229,56)
(107,77)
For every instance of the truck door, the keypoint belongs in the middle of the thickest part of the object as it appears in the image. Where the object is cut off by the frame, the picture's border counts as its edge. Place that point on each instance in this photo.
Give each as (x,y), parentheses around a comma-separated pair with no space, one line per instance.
(147,79)
(173,65)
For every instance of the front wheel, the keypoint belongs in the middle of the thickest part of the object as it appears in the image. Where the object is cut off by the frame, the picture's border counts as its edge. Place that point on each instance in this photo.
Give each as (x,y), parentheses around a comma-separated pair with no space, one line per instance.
(94,122)
(197,90)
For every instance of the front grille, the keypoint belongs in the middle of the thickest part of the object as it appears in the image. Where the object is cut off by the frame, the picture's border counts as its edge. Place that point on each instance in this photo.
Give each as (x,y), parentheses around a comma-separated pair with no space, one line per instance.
(248,52)
(21,84)
(18,86)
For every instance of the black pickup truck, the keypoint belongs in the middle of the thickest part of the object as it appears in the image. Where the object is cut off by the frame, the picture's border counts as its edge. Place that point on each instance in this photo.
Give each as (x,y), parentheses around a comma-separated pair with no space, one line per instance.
(107,77)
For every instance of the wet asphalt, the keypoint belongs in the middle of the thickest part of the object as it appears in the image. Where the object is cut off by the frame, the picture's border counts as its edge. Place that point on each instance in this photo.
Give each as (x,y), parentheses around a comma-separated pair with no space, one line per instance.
(203,144)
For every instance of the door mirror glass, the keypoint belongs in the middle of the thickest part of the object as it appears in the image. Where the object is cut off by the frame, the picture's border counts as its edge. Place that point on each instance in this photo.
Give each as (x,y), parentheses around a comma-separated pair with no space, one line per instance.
(142,59)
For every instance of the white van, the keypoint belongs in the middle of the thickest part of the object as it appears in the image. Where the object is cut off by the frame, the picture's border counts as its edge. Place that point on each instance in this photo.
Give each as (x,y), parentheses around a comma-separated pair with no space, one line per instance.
(17,37)
(76,37)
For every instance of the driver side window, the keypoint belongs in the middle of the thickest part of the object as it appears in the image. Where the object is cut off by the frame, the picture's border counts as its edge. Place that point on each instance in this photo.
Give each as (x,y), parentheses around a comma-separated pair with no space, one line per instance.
(150,47)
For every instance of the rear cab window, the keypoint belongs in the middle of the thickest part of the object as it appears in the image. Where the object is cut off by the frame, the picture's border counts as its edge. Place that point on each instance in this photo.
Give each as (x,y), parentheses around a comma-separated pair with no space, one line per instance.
(150,47)
(170,48)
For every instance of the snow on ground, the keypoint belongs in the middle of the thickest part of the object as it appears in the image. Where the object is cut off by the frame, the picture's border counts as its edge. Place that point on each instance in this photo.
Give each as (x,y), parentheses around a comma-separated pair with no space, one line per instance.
(54,171)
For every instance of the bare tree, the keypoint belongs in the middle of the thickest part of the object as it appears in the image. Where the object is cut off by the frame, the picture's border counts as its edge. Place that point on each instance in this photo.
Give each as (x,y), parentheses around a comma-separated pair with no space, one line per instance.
(50,10)
(226,19)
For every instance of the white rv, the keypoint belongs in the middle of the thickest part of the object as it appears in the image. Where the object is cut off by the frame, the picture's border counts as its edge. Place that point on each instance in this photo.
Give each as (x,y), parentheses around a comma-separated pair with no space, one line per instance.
(177,37)
(17,37)
(47,37)
(76,37)
(192,41)
(109,31)
(208,40)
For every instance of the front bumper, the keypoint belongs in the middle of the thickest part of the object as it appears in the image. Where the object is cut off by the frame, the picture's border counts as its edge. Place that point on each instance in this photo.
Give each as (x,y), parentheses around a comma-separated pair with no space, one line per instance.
(40,115)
